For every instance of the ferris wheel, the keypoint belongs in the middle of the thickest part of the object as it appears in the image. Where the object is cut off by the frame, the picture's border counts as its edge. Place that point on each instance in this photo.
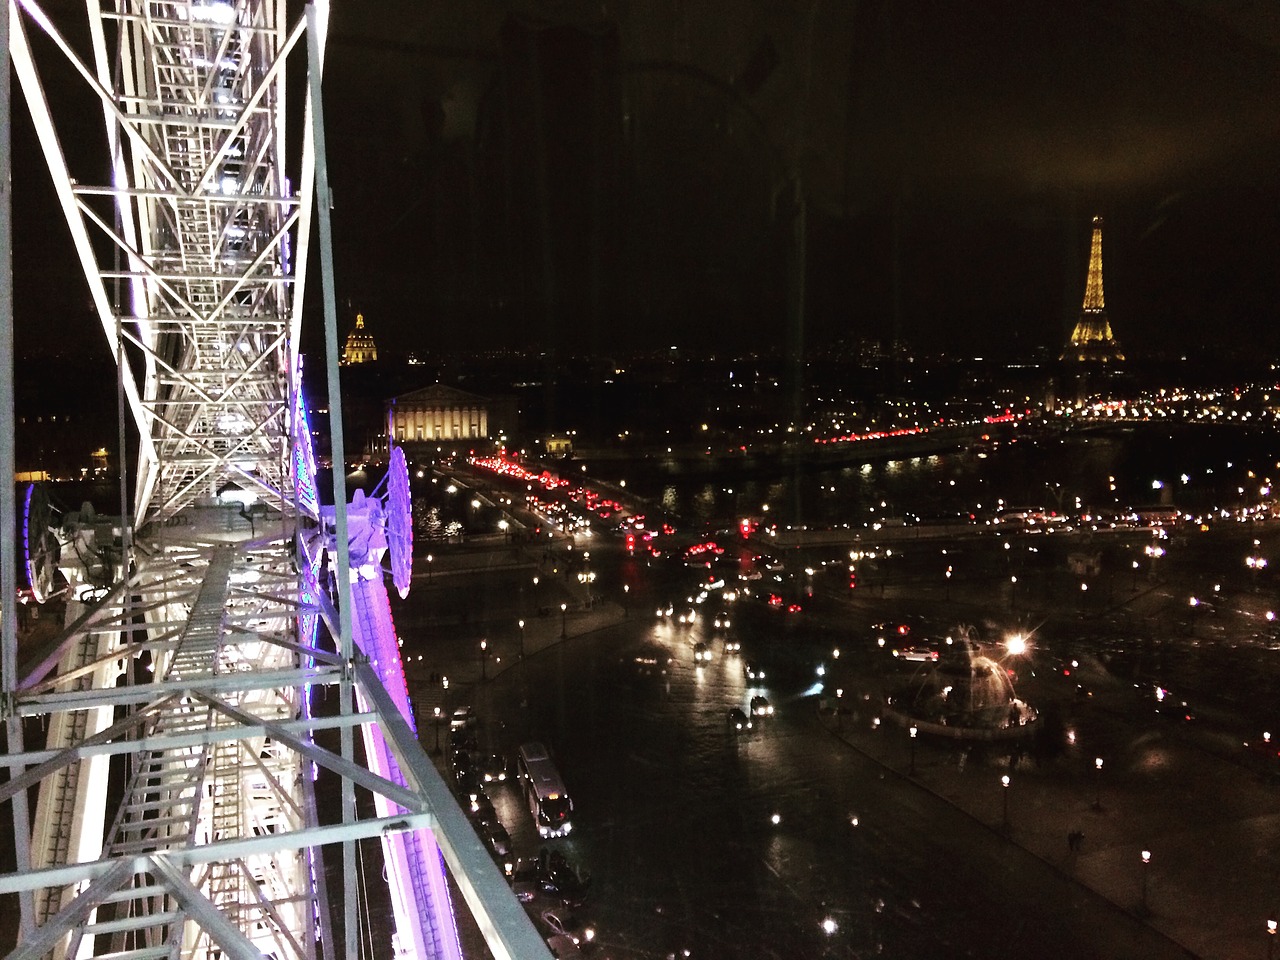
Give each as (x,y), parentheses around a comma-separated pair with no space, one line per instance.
(184,763)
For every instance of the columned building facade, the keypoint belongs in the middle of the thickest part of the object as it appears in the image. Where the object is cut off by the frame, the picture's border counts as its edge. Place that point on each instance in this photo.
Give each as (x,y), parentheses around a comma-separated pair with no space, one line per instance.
(447,416)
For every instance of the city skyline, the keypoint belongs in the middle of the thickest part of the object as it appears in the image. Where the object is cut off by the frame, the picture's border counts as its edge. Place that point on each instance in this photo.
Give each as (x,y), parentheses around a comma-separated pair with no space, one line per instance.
(951,164)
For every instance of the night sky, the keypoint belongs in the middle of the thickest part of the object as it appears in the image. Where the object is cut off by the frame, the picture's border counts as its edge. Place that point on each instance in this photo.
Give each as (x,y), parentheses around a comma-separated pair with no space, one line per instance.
(609,176)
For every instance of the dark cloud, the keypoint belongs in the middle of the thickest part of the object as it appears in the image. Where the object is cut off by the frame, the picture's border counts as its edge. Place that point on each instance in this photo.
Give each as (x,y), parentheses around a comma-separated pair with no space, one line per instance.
(627,188)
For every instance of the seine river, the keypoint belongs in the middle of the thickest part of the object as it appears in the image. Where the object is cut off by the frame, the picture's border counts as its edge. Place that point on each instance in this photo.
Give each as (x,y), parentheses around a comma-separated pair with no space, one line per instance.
(1195,467)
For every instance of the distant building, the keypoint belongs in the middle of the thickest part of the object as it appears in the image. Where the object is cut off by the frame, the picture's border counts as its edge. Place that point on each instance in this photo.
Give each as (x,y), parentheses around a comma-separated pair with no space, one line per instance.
(559,445)
(360,347)
(448,417)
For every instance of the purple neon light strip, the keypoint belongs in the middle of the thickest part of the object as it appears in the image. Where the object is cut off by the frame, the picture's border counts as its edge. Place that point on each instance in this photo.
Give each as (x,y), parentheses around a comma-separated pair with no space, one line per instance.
(415,869)
(26,536)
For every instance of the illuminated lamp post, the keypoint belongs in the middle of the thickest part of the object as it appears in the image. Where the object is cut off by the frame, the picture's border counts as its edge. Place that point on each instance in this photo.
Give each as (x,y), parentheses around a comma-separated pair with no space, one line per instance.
(1013,593)
(1255,563)
(536,596)
(1004,790)
(437,716)
(626,597)
(564,621)
(913,731)
(1146,869)
(503,525)
(1271,938)
(521,623)
(1097,780)
(1155,553)
(429,559)
(484,656)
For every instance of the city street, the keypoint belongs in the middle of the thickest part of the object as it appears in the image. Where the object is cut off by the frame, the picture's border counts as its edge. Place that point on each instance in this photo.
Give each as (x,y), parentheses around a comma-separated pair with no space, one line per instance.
(674,810)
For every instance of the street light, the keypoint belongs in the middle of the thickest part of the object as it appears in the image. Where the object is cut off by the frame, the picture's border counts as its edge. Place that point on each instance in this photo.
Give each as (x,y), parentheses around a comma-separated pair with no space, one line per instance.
(1146,867)
(1271,938)
(429,559)
(536,605)
(626,601)
(1004,784)
(1255,563)
(564,621)
(1013,591)
(1097,796)
(913,731)
(502,525)
(484,656)
(1155,553)
(521,622)
(438,716)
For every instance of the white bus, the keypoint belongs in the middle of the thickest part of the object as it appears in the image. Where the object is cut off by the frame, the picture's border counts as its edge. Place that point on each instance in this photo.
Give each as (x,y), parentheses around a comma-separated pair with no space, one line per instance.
(544,791)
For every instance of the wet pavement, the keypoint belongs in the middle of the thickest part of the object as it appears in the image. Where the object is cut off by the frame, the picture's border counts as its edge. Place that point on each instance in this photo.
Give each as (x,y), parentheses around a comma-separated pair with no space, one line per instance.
(1210,822)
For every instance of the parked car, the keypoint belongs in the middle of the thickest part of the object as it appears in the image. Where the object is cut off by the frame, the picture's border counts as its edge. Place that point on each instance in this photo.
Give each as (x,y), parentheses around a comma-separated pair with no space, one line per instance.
(481,809)
(548,875)
(498,841)
(562,947)
(465,777)
(569,924)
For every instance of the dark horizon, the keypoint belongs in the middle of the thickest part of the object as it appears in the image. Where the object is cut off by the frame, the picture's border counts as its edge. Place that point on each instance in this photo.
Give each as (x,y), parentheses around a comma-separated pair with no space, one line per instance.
(619,179)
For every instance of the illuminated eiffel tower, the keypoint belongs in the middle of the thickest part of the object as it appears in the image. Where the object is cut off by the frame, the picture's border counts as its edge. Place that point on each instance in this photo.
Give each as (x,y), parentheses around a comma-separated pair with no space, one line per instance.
(1091,340)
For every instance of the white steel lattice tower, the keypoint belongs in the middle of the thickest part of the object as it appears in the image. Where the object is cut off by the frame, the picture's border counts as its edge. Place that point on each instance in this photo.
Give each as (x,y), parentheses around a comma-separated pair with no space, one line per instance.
(180,686)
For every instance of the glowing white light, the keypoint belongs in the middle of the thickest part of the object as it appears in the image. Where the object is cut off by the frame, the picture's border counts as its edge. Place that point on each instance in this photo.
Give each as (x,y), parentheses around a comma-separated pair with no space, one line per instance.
(219,12)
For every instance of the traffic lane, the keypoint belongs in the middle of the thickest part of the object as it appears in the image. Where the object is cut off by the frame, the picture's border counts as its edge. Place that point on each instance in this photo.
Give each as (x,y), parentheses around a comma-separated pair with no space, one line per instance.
(675,824)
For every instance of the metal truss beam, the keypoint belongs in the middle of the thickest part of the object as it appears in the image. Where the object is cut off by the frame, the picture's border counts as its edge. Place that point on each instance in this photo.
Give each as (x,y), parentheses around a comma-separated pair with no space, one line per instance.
(199,664)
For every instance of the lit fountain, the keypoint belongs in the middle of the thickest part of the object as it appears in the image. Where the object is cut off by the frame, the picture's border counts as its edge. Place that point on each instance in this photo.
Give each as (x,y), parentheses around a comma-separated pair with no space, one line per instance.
(965,695)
